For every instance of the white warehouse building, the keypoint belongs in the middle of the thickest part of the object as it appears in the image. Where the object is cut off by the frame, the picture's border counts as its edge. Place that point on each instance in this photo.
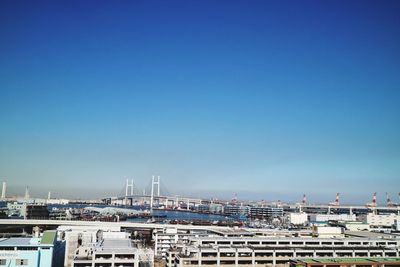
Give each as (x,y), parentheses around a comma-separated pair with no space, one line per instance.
(318,218)
(298,218)
(382,220)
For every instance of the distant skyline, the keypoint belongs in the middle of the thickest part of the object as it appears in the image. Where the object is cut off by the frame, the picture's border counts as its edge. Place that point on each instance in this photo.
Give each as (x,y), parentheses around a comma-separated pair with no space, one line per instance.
(265,99)
(39,192)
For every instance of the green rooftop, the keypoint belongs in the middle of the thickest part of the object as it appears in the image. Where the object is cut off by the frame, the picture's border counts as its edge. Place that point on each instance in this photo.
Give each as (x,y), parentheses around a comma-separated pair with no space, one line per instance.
(48,238)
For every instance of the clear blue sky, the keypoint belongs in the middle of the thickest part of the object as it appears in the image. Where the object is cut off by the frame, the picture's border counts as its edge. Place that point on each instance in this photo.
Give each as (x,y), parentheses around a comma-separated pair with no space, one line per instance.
(266,99)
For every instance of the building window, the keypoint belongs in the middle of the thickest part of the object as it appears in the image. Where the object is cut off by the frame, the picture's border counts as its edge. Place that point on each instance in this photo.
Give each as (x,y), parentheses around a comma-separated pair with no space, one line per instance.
(3,262)
(21,262)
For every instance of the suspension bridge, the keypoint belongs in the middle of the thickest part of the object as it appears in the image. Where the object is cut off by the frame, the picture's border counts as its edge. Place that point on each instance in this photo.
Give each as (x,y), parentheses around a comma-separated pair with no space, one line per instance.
(157,196)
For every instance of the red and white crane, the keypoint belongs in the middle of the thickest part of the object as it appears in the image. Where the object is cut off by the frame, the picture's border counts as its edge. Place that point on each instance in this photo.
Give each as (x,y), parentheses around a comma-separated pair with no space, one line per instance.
(389,202)
(374,202)
(337,202)
(304,201)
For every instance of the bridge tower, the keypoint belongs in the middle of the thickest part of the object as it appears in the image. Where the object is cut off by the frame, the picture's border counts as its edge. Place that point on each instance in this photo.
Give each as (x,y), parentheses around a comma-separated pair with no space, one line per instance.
(127,193)
(129,186)
(155,180)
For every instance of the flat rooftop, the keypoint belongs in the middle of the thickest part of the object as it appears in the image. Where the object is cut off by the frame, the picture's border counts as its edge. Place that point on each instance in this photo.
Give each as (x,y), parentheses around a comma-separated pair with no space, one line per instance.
(48,239)
(20,242)
(348,261)
(371,235)
(232,232)
(293,238)
(115,245)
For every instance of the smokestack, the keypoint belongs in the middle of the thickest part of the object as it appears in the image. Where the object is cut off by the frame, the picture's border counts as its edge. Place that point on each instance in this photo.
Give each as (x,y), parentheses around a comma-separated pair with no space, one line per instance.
(3,191)
(49,195)
(27,193)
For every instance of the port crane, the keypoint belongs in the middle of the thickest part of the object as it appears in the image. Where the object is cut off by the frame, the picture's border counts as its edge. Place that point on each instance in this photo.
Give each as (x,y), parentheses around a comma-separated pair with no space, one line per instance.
(373,203)
(389,202)
(304,201)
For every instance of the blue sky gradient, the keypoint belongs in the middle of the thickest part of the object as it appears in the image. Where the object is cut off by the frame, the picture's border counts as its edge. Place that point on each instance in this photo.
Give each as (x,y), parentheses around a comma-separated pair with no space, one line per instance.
(266,99)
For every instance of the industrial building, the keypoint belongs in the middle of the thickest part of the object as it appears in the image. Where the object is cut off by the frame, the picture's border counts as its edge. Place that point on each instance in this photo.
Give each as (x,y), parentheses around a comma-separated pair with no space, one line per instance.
(299,218)
(37,211)
(236,210)
(43,251)
(382,220)
(325,218)
(110,252)
(274,251)
(327,232)
(171,237)
(216,208)
(77,236)
(351,226)
(16,209)
(27,210)
(265,212)
(345,262)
